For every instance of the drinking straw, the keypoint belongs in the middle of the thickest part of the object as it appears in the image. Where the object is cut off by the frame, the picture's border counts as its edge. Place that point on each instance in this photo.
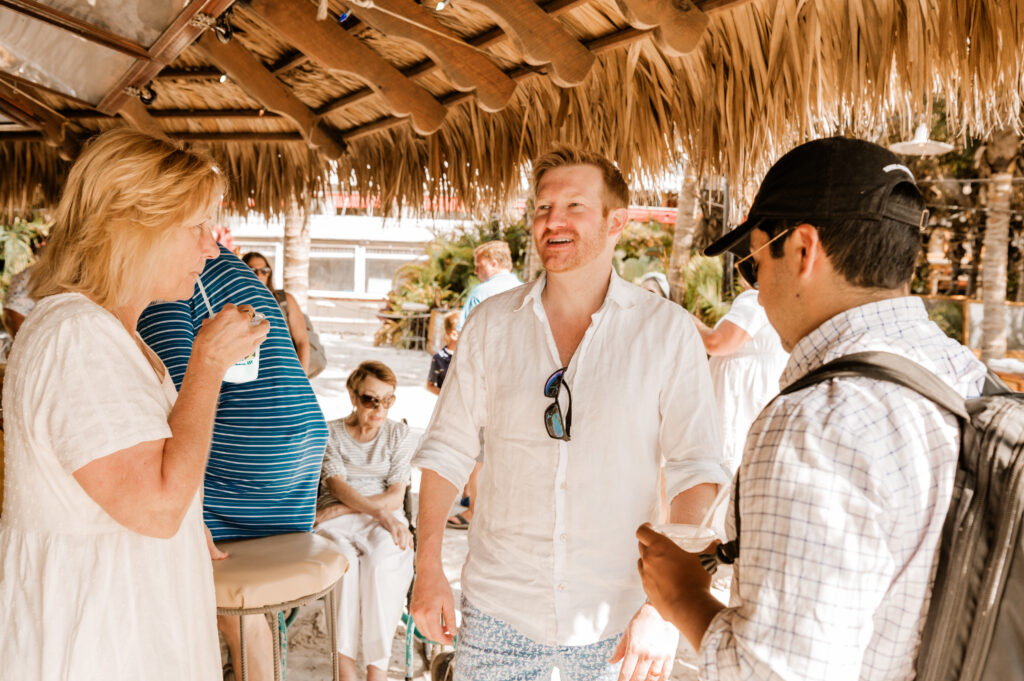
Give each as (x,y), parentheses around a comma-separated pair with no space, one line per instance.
(206,299)
(722,494)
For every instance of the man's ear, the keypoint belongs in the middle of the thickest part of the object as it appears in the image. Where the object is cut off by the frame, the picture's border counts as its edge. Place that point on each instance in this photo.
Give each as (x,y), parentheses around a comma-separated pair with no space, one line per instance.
(806,243)
(617,219)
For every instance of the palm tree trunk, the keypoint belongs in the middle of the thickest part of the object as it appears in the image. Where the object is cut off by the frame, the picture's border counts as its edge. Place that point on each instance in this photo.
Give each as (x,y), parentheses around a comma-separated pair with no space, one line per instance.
(682,239)
(296,252)
(993,289)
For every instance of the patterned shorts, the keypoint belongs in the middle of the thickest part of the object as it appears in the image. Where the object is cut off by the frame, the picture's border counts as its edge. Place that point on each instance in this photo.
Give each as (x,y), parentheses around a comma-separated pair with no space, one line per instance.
(491,650)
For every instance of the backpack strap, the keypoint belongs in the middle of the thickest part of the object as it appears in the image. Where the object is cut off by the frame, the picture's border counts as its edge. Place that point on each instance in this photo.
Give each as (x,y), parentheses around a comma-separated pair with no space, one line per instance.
(881,366)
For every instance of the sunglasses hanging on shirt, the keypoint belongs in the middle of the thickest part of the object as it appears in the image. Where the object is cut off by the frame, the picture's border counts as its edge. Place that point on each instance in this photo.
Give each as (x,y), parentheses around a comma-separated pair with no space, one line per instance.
(557,426)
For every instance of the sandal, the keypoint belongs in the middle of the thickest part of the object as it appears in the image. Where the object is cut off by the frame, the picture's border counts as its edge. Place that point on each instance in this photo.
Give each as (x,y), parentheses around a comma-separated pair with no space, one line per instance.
(458,522)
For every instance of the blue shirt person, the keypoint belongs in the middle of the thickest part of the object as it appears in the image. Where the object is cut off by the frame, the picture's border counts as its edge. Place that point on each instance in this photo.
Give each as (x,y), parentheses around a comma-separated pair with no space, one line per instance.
(492,261)
(269,434)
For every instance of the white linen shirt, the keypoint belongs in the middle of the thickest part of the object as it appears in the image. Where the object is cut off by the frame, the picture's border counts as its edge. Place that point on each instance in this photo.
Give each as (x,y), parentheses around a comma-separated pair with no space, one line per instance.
(552,545)
(843,491)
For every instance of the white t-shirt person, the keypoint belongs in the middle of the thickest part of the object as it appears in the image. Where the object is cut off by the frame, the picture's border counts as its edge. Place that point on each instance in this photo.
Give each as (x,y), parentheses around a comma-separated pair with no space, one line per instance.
(746,380)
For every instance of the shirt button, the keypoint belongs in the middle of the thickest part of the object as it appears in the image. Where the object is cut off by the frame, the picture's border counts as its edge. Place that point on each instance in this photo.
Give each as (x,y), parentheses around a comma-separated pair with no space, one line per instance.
(564,486)
(564,537)
(561,587)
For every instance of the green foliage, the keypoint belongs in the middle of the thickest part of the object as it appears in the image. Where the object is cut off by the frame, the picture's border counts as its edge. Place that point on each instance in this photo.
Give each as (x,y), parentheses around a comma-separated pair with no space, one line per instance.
(643,247)
(704,288)
(16,242)
(446,276)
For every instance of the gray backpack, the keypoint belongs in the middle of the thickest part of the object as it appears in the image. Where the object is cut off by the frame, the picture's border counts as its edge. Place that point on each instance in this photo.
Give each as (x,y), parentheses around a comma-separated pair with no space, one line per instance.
(975,625)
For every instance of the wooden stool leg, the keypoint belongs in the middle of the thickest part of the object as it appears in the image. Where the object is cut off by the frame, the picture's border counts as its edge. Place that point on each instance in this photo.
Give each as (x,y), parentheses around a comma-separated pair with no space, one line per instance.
(276,629)
(330,604)
(241,647)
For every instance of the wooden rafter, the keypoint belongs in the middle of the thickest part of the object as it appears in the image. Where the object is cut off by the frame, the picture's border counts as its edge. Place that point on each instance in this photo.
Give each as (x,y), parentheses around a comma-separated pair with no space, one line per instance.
(426,67)
(678,24)
(334,49)
(466,68)
(134,112)
(166,49)
(89,114)
(252,76)
(541,39)
(21,104)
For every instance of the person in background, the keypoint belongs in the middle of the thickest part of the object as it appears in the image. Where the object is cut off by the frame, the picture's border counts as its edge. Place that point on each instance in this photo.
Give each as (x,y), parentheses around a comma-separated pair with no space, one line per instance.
(360,508)
(104,569)
(492,263)
(296,322)
(655,282)
(747,360)
(440,361)
(268,438)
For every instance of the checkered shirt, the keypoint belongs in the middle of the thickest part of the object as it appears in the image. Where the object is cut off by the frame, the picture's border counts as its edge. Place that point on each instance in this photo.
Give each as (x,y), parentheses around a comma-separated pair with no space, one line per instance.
(844,487)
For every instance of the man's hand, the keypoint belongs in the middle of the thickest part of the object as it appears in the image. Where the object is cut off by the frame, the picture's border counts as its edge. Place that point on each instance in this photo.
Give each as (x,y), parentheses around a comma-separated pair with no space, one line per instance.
(399,531)
(433,606)
(648,647)
(676,584)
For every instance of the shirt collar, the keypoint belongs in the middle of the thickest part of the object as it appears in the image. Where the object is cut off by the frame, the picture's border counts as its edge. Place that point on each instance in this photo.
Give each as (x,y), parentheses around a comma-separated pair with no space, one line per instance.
(834,337)
(620,292)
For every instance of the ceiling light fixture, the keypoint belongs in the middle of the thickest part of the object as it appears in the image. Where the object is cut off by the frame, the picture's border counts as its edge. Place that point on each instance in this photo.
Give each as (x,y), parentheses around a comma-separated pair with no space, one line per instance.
(921,145)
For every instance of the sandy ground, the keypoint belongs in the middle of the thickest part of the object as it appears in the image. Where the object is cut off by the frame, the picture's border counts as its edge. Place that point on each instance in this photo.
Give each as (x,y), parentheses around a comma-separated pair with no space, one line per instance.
(308,655)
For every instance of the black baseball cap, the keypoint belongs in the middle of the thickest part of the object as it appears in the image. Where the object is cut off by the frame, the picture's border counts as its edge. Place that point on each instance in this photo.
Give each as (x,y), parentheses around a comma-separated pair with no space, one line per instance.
(825,180)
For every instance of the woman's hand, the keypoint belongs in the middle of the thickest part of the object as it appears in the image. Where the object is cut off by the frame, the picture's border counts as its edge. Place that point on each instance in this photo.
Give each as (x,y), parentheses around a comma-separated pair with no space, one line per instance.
(229,337)
(399,531)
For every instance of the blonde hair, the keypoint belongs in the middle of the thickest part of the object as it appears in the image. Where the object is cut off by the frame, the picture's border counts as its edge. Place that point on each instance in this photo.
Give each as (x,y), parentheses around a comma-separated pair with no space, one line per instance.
(124,195)
(378,370)
(498,251)
(615,192)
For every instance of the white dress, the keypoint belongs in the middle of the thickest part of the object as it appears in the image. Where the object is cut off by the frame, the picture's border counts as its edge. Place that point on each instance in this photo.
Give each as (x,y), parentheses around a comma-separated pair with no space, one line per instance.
(748,379)
(81,596)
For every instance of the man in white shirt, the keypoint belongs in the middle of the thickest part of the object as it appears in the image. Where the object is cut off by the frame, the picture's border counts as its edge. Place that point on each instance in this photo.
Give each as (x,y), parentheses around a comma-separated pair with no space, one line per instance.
(844,485)
(550,579)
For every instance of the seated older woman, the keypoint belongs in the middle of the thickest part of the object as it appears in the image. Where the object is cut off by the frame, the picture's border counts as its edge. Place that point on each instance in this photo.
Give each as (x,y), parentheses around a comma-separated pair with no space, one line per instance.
(362,487)
(104,569)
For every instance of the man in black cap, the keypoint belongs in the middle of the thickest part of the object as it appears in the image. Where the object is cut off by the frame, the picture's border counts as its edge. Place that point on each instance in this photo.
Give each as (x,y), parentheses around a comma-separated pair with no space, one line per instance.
(844,485)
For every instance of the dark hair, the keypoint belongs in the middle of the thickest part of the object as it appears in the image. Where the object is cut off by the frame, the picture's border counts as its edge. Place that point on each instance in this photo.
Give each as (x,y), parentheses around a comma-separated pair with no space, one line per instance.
(256,254)
(867,253)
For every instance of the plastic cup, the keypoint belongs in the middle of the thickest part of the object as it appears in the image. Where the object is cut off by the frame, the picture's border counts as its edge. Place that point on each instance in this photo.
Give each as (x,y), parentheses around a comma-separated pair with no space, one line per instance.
(690,538)
(248,368)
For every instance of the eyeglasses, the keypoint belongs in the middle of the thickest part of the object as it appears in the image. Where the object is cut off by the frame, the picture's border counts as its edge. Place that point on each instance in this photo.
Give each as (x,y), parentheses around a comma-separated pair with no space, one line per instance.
(558,428)
(260,270)
(747,266)
(371,402)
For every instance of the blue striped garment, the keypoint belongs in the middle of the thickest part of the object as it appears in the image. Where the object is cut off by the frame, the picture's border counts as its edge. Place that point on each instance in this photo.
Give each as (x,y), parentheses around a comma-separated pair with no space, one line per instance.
(269,435)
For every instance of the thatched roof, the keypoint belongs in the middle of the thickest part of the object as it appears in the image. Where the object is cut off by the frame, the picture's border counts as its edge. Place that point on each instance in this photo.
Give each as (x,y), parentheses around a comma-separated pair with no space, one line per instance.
(486,93)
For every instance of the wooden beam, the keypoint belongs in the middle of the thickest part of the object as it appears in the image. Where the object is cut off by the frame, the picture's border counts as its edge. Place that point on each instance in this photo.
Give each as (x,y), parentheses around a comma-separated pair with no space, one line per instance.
(334,49)
(199,114)
(239,136)
(426,67)
(79,27)
(37,115)
(249,74)
(466,68)
(288,62)
(604,43)
(678,24)
(166,49)
(541,39)
(134,112)
(201,73)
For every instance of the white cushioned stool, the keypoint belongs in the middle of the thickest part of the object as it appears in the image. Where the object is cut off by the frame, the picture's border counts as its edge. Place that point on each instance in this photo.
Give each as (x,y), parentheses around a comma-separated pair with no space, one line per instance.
(272,574)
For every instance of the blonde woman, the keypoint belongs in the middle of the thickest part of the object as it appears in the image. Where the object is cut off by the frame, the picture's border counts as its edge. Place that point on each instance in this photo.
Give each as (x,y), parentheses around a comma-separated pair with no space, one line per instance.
(104,569)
